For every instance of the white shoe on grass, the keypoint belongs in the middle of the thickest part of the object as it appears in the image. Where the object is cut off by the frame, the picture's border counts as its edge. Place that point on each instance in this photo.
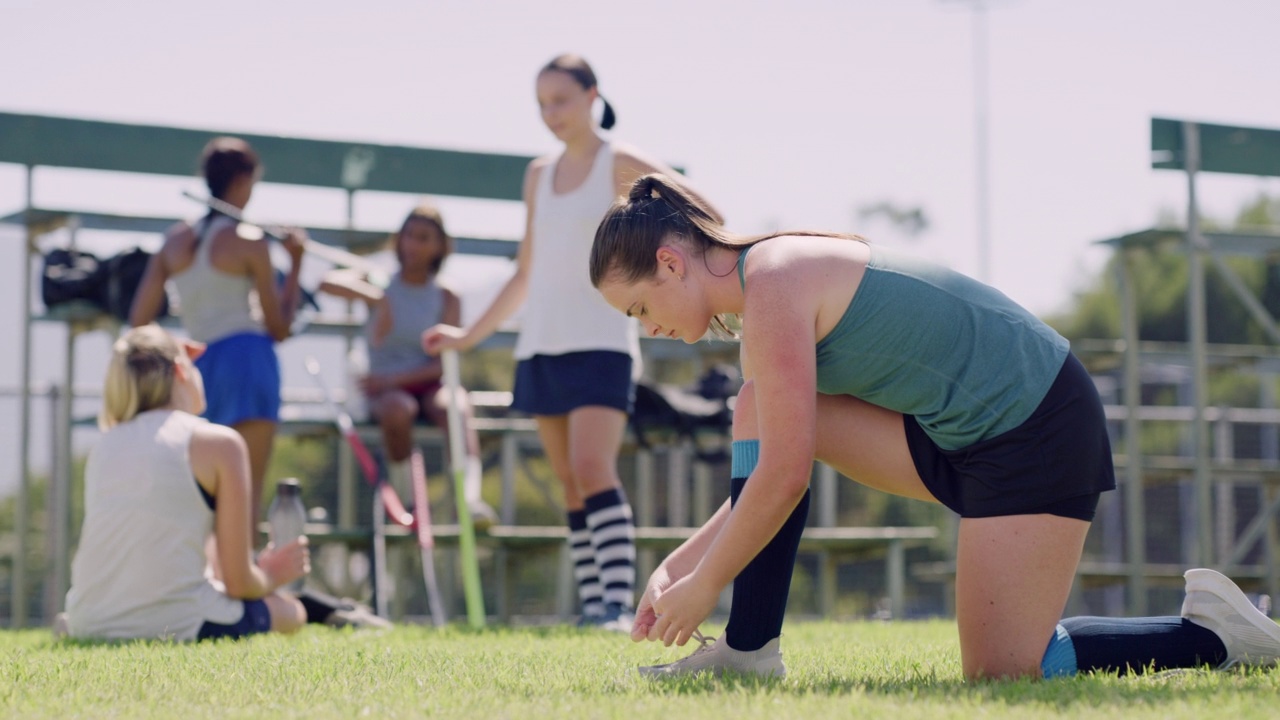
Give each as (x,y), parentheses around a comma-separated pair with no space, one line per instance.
(716,657)
(61,626)
(1213,601)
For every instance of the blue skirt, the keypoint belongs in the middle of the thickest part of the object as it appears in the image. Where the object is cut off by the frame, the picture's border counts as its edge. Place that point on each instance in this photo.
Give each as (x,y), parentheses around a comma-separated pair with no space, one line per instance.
(558,384)
(241,379)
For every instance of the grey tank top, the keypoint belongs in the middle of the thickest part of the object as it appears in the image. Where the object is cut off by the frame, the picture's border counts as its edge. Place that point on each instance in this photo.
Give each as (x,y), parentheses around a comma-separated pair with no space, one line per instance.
(413,308)
(139,571)
(214,304)
(962,358)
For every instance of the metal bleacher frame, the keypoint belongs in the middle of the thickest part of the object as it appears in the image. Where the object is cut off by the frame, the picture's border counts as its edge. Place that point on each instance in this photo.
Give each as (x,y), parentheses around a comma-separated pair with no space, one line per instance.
(43,141)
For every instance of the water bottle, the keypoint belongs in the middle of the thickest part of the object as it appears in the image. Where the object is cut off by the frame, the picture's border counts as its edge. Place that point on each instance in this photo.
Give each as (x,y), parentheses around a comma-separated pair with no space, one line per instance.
(287,516)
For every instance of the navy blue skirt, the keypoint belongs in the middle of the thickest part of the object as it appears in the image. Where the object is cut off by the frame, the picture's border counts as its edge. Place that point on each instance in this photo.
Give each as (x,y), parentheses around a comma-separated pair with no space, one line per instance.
(559,384)
(256,620)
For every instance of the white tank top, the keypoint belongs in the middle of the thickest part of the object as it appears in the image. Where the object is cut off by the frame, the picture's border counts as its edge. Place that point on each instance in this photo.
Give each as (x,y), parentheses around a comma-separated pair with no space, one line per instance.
(564,313)
(214,304)
(139,571)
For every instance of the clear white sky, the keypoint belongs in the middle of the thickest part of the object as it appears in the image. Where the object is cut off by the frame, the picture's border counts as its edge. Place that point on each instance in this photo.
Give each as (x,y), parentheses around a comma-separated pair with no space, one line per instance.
(787,114)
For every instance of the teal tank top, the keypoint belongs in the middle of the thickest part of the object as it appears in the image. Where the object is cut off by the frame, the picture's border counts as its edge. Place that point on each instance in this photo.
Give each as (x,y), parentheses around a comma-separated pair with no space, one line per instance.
(962,358)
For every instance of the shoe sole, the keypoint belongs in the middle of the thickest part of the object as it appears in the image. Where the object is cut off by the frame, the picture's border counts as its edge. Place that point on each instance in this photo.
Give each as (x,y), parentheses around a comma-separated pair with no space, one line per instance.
(659,673)
(1220,586)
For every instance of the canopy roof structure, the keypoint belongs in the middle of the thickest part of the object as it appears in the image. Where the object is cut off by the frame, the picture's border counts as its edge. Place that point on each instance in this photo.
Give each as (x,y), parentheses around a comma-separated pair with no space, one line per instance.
(1193,148)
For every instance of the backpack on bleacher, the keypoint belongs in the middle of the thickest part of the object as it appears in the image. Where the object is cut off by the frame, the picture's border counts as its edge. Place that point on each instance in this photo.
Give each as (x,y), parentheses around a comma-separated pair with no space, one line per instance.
(685,412)
(71,275)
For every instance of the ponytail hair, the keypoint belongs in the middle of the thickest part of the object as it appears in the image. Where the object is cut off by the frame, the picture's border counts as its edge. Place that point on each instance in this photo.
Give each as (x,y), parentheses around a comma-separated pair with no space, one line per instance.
(655,211)
(659,211)
(577,68)
(608,119)
(223,160)
(139,375)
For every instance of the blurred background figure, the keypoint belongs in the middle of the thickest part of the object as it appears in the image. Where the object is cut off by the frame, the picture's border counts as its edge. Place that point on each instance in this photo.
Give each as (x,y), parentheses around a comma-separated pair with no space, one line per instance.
(230,300)
(577,359)
(403,384)
(159,481)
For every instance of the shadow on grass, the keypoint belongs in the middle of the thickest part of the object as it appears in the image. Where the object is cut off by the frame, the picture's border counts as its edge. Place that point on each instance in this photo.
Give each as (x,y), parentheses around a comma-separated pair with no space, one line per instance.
(1089,691)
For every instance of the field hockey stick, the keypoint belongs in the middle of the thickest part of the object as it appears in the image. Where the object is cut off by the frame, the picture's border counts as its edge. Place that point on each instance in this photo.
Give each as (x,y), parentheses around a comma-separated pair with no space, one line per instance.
(458,462)
(368,466)
(378,555)
(426,542)
(335,255)
(385,501)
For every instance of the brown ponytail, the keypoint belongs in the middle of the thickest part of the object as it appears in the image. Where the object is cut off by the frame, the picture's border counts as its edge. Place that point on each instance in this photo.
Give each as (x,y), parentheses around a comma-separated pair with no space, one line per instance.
(655,209)
(658,210)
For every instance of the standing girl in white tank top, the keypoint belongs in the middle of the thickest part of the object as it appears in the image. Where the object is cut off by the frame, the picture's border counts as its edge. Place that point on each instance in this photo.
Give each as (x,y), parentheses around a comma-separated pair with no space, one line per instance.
(575,357)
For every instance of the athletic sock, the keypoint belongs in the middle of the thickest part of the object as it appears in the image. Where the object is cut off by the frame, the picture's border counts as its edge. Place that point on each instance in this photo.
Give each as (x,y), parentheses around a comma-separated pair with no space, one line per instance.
(1060,657)
(584,565)
(472,478)
(318,605)
(1135,645)
(760,591)
(400,476)
(613,541)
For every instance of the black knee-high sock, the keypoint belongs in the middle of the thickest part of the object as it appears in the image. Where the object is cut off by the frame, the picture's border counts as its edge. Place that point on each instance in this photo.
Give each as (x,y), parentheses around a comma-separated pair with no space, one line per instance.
(1137,644)
(760,591)
(318,605)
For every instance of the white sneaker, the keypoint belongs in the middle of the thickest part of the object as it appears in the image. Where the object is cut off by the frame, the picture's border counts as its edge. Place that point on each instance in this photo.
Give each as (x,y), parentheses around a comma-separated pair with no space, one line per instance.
(61,626)
(716,657)
(1216,603)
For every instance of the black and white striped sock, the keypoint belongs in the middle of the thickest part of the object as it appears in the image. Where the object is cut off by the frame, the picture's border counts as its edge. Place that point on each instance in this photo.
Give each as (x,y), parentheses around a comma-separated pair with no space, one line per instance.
(613,539)
(584,565)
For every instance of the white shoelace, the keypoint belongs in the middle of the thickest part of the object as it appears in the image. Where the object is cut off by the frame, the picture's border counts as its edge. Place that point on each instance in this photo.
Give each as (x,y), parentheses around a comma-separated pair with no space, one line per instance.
(704,643)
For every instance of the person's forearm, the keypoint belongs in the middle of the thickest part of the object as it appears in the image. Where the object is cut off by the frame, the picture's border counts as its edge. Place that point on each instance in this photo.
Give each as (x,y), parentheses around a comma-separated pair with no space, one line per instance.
(745,532)
(503,306)
(290,292)
(685,558)
(256,584)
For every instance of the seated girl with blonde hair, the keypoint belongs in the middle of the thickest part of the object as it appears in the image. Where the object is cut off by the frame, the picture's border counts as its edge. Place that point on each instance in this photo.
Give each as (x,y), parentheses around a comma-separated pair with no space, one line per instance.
(159,481)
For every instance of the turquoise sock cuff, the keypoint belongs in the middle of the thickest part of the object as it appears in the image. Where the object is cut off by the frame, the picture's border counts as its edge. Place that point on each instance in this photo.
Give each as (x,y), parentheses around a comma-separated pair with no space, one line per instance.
(1060,657)
(746,453)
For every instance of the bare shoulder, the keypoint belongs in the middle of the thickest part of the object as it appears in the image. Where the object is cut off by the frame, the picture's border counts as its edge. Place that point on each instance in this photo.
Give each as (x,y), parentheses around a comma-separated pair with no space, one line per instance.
(218,441)
(535,168)
(626,154)
(803,265)
(531,175)
(815,276)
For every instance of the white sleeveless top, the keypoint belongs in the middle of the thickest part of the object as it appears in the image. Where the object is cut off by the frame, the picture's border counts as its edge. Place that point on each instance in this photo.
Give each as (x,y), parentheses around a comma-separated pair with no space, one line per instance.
(139,571)
(564,313)
(214,304)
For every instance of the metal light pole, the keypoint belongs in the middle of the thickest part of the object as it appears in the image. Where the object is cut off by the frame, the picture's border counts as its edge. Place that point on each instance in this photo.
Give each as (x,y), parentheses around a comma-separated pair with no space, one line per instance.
(980,140)
(982,191)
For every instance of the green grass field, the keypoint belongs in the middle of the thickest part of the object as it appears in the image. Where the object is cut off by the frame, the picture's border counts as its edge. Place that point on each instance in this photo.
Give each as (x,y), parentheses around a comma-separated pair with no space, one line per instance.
(899,670)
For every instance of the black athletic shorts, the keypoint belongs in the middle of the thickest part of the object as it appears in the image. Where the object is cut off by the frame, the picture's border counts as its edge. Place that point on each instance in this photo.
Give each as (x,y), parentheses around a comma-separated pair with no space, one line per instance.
(1057,462)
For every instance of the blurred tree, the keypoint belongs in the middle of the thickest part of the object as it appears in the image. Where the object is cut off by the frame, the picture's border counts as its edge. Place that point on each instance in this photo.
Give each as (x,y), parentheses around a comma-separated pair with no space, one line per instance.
(1160,277)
